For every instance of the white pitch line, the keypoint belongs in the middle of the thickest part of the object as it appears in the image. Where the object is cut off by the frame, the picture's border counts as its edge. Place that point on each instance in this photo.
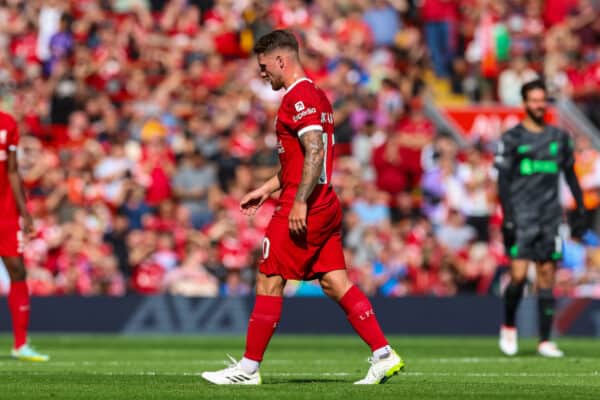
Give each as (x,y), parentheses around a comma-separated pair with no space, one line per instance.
(412,362)
(345,374)
(481,360)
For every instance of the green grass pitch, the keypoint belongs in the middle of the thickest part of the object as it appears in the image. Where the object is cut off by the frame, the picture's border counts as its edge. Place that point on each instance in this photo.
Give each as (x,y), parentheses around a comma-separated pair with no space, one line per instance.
(296,367)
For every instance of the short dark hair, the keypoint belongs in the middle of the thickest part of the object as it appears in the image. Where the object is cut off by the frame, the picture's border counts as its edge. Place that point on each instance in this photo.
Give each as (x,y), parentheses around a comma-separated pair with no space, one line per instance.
(532,85)
(278,39)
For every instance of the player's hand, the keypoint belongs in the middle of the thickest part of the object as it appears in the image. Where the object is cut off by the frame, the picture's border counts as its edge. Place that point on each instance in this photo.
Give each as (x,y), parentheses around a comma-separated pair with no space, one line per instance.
(28,228)
(297,218)
(509,233)
(252,201)
(579,223)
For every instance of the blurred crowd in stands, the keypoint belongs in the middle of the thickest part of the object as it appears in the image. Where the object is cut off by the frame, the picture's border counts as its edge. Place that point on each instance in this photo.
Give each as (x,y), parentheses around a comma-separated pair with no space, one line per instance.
(143,123)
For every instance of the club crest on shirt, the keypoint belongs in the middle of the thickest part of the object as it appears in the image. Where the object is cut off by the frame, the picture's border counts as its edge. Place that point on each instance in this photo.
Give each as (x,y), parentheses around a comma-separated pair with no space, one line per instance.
(299,106)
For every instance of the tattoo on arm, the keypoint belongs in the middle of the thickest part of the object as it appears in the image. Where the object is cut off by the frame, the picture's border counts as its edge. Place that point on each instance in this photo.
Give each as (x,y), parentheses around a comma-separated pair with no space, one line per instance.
(314,153)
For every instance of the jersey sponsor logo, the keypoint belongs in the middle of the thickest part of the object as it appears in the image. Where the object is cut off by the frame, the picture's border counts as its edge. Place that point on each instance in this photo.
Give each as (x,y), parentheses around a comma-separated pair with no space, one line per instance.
(3,155)
(530,167)
(327,118)
(304,113)
(299,106)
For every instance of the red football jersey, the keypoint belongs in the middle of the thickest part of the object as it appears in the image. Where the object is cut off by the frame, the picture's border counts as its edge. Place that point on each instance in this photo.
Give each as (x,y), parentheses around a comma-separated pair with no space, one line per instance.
(9,140)
(304,108)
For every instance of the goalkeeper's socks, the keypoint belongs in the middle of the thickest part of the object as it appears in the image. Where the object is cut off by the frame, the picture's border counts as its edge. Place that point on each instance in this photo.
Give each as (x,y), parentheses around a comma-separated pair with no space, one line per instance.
(512,298)
(249,366)
(359,312)
(18,303)
(261,326)
(546,303)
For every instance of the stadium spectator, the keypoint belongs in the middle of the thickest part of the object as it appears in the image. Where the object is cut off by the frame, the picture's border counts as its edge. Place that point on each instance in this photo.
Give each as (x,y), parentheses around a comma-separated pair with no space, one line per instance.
(439,20)
(193,184)
(511,80)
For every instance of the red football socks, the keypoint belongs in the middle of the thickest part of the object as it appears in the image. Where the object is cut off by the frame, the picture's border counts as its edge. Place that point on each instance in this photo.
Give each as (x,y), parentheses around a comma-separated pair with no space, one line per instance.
(263,321)
(360,313)
(18,303)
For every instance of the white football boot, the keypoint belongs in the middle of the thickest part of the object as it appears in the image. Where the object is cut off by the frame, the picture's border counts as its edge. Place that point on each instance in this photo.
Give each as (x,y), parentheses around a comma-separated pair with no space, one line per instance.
(232,375)
(508,342)
(383,369)
(549,349)
(28,353)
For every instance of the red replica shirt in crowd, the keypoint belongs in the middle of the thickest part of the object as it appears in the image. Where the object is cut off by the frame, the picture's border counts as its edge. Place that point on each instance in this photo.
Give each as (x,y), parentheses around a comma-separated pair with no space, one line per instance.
(304,108)
(9,140)
(439,10)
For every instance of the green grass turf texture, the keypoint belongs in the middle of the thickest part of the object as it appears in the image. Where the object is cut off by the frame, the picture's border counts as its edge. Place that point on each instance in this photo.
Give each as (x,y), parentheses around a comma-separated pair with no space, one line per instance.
(296,367)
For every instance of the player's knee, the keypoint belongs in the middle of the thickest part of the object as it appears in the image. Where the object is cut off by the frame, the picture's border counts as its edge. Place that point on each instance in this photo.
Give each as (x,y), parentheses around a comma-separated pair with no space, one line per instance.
(545,281)
(545,276)
(335,286)
(327,288)
(15,268)
(269,290)
(269,286)
(518,278)
(16,272)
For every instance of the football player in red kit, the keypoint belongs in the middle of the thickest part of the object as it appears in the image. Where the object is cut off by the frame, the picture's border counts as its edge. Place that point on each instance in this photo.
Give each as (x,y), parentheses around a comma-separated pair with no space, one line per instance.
(303,240)
(12,206)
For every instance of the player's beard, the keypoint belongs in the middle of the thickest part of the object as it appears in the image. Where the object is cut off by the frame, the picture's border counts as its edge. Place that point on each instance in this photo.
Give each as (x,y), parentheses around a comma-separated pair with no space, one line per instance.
(276,85)
(537,115)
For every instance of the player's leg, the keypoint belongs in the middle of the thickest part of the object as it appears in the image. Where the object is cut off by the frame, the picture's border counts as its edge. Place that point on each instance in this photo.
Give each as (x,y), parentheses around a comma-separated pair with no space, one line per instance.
(514,290)
(546,304)
(508,341)
(18,304)
(263,319)
(521,252)
(385,361)
(357,307)
(261,327)
(18,299)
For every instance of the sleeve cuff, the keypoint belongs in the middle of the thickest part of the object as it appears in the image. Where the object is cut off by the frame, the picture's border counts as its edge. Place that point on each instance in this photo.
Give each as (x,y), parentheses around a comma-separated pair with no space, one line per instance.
(310,128)
(12,147)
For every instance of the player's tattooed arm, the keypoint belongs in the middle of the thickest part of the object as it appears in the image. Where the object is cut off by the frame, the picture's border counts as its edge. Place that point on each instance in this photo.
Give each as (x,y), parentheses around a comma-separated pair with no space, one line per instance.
(314,153)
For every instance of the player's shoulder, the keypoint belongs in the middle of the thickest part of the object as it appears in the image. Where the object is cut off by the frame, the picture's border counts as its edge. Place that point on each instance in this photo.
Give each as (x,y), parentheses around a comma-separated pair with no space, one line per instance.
(512,134)
(7,120)
(558,131)
(302,90)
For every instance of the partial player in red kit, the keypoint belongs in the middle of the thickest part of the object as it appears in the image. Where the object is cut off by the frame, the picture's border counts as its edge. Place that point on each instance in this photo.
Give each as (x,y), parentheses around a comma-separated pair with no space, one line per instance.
(303,240)
(13,212)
